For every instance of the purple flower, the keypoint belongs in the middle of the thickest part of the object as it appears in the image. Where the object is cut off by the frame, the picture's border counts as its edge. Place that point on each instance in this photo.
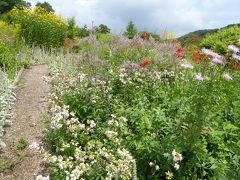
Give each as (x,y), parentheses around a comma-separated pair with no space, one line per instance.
(236,56)
(235,49)
(219,61)
(187,66)
(199,77)
(211,53)
(227,76)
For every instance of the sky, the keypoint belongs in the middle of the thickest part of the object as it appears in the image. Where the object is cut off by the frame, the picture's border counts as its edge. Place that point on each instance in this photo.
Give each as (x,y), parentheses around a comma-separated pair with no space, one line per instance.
(177,16)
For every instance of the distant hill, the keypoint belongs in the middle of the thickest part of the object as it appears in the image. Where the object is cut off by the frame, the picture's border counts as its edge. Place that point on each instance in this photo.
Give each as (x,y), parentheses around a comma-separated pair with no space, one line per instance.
(190,38)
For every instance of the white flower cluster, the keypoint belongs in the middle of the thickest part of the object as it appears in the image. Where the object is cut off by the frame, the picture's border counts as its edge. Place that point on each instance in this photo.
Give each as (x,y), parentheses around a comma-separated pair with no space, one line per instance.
(62,117)
(59,116)
(129,75)
(177,158)
(115,124)
(40,177)
(36,147)
(121,168)
(117,121)
(163,76)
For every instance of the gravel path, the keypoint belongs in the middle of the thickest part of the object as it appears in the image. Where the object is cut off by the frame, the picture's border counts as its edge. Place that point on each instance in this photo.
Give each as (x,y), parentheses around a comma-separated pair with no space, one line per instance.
(18,161)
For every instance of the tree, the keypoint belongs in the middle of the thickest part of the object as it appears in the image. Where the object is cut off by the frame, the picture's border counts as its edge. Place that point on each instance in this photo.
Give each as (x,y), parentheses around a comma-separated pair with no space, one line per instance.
(45,5)
(83,32)
(7,5)
(131,30)
(103,29)
(72,28)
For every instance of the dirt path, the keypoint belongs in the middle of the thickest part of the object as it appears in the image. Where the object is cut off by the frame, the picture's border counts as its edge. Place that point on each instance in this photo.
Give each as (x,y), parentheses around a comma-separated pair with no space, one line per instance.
(19,161)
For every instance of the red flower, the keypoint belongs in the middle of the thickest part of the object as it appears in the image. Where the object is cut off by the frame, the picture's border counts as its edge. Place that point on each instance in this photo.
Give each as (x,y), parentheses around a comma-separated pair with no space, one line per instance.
(179,53)
(145,35)
(198,57)
(145,63)
(179,50)
(235,66)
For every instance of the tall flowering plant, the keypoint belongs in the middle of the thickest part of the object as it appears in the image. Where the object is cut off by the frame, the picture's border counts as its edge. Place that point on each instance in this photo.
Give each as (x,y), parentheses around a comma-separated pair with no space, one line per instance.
(40,27)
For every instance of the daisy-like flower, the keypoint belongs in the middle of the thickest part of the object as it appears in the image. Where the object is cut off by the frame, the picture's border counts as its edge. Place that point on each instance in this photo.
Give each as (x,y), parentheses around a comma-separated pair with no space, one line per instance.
(187,66)
(236,56)
(233,48)
(199,77)
(211,53)
(218,60)
(227,76)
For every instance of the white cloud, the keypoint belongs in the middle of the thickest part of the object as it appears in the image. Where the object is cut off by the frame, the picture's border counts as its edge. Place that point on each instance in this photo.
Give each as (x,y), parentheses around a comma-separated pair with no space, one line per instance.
(179,16)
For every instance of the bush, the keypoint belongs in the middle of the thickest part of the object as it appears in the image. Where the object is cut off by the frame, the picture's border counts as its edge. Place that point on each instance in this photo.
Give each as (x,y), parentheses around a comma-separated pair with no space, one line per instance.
(40,27)
(7,32)
(220,40)
(6,90)
(8,58)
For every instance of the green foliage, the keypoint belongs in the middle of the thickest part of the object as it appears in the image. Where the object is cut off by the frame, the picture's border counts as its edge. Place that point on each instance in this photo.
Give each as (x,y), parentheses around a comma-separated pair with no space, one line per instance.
(40,27)
(22,144)
(8,32)
(8,59)
(104,29)
(83,32)
(190,38)
(46,6)
(8,5)
(72,28)
(219,41)
(155,36)
(131,30)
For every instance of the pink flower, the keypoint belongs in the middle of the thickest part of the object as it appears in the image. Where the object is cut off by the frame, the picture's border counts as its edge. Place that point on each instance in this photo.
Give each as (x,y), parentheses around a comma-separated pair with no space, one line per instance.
(227,76)
(199,77)
(187,66)
(211,53)
(236,56)
(235,49)
(219,61)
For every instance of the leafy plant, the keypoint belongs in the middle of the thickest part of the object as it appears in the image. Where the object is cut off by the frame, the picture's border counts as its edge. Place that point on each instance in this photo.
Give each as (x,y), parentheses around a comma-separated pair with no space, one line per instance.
(131,30)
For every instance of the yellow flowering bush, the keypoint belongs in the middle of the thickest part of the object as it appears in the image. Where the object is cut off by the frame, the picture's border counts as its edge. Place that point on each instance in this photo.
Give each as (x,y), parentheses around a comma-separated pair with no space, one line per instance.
(39,26)
(7,32)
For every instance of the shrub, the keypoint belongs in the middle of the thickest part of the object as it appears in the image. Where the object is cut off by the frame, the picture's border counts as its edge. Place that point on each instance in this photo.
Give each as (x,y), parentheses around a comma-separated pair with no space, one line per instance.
(220,40)
(40,27)
(7,32)
(6,89)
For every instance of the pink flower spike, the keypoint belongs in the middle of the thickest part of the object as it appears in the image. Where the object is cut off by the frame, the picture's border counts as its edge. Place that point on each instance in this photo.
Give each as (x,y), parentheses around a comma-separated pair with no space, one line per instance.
(199,77)
(227,76)
(187,66)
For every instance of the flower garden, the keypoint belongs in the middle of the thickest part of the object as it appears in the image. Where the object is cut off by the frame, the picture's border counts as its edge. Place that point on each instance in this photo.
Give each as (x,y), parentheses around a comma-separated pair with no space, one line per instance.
(137,108)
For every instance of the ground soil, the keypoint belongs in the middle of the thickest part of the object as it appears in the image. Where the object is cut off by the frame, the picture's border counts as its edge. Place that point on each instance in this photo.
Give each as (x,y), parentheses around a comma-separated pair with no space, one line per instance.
(18,161)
